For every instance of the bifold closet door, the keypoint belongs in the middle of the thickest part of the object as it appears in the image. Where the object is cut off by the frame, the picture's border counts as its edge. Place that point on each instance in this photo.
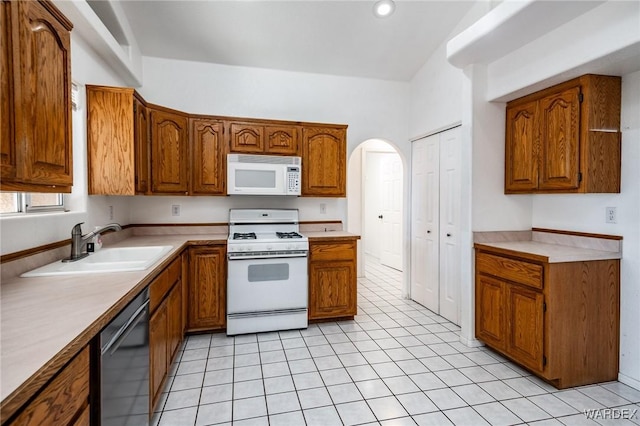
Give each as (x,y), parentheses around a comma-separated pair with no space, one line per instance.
(435,223)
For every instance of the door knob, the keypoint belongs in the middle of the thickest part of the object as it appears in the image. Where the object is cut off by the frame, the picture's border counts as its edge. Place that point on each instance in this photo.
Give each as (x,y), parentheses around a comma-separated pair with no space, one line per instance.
(380,217)
(429,231)
(448,235)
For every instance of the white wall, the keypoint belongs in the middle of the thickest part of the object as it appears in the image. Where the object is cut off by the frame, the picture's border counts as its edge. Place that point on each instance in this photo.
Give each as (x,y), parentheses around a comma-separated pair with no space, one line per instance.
(436,91)
(371,108)
(23,232)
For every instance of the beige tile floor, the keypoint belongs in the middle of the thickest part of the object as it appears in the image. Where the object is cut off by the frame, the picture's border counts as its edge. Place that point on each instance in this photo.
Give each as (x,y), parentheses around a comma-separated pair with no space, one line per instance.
(396,363)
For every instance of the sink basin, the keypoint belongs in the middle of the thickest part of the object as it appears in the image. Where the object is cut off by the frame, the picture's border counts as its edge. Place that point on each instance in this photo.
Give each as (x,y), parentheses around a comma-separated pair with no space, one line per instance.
(115,259)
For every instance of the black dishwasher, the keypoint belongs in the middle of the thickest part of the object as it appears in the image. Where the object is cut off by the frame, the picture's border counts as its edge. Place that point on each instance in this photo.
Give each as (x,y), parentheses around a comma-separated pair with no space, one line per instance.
(124,371)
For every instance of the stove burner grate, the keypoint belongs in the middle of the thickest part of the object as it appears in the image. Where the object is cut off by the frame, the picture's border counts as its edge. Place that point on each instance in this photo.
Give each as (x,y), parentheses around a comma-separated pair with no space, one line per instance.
(288,235)
(244,235)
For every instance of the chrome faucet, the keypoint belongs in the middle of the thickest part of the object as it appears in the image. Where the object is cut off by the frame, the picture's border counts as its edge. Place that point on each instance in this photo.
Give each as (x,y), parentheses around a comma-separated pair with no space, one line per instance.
(79,241)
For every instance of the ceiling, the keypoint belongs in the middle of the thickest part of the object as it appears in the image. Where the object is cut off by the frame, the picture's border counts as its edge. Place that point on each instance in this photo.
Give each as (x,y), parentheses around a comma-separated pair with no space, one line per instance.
(326,37)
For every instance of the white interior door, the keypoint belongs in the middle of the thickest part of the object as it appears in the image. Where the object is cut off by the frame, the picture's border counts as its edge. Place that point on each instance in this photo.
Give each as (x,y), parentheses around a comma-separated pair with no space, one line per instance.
(391,210)
(450,225)
(435,223)
(372,204)
(425,180)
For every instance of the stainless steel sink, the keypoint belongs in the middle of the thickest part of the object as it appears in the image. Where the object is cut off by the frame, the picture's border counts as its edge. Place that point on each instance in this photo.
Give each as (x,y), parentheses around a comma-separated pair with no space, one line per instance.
(115,259)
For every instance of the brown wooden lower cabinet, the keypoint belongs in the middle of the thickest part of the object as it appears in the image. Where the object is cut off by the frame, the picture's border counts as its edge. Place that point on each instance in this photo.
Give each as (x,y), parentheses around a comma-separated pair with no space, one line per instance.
(65,400)
(158,360)
(559,320)
(175,329)
(332,279)
(165,326)
(207,288)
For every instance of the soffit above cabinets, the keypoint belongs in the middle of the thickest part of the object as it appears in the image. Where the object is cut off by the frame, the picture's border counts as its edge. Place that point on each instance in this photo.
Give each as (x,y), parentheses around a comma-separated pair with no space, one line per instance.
(511,25)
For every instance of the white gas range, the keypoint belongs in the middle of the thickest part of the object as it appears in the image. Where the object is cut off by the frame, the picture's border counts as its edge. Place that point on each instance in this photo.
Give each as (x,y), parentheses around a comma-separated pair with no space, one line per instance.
(267,278)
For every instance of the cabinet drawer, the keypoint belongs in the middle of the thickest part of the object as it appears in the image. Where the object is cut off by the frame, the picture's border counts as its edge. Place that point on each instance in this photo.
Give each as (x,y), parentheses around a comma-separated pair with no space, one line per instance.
(63,398)
(174,271)
(513,270)
(158,289)
(163,283)
(332,251)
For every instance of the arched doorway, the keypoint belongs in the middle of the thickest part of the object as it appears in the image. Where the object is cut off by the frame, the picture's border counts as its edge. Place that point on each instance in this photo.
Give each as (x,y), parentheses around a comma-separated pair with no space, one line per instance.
(375,197)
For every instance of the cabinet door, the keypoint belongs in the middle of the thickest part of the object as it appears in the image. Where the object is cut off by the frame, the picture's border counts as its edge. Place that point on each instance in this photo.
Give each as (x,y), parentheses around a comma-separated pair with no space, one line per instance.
(332,289)
(7,139)
(44,96)
(208,158)
(323,162)
(207,284)
(110,128)
(247,138)
(282,140)
(62,399)
(525,310)
(158,360)
(141,146)
(521,153)
(169,153)
(174,320)
(490,311)
(559,140)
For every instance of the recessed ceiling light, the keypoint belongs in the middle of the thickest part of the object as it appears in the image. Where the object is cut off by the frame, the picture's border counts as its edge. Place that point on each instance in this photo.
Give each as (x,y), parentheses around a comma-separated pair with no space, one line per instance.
(384,8)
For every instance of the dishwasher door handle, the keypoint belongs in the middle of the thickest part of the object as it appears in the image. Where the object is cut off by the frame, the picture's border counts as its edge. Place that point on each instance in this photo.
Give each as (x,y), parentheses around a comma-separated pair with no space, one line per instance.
(124,331)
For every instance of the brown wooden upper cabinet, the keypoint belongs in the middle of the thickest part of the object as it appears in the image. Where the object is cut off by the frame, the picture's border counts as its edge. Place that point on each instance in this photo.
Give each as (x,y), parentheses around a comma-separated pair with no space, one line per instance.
(208,157)
(138,148)
(324,152)
(35,149)
(260,138)
(117,141)
(565,138)
(169,151)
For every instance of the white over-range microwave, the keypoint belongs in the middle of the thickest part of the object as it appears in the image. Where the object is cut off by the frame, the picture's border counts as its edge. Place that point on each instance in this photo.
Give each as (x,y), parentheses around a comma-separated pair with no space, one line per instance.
(263,174)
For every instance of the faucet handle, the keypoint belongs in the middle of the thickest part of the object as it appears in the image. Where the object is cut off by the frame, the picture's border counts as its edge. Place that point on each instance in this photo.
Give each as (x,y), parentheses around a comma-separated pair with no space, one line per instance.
(77,229)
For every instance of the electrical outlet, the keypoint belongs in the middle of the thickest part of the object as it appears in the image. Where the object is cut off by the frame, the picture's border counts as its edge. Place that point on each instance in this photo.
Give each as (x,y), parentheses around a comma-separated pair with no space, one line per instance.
(612,215)
(323,208)
(110,212)
(175,210)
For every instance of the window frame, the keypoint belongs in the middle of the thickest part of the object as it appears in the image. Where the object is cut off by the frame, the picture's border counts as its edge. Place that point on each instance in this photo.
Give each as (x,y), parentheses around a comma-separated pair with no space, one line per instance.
(24,207)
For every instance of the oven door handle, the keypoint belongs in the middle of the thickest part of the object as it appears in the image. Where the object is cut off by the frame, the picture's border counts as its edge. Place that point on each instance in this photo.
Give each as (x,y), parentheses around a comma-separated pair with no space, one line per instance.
(265,255)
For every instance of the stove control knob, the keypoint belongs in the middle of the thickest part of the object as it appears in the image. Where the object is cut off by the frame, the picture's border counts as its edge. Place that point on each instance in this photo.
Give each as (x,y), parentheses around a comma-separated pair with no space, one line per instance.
(269,248)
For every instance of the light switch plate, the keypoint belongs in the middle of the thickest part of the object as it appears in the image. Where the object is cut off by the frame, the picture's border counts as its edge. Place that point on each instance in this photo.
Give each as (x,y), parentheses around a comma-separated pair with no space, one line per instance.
(612,215)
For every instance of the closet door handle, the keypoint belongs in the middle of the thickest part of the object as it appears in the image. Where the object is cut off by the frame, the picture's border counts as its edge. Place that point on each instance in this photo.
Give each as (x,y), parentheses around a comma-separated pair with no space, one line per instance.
(429,231)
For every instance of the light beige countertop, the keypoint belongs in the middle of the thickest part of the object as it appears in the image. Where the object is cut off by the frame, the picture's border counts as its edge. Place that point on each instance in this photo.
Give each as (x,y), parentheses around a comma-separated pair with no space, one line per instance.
(554,253)
(551,245)
(330,234)
(45,321)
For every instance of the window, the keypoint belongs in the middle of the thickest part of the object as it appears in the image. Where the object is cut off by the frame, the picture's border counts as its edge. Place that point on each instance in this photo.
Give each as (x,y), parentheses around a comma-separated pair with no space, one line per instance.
(30,202)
